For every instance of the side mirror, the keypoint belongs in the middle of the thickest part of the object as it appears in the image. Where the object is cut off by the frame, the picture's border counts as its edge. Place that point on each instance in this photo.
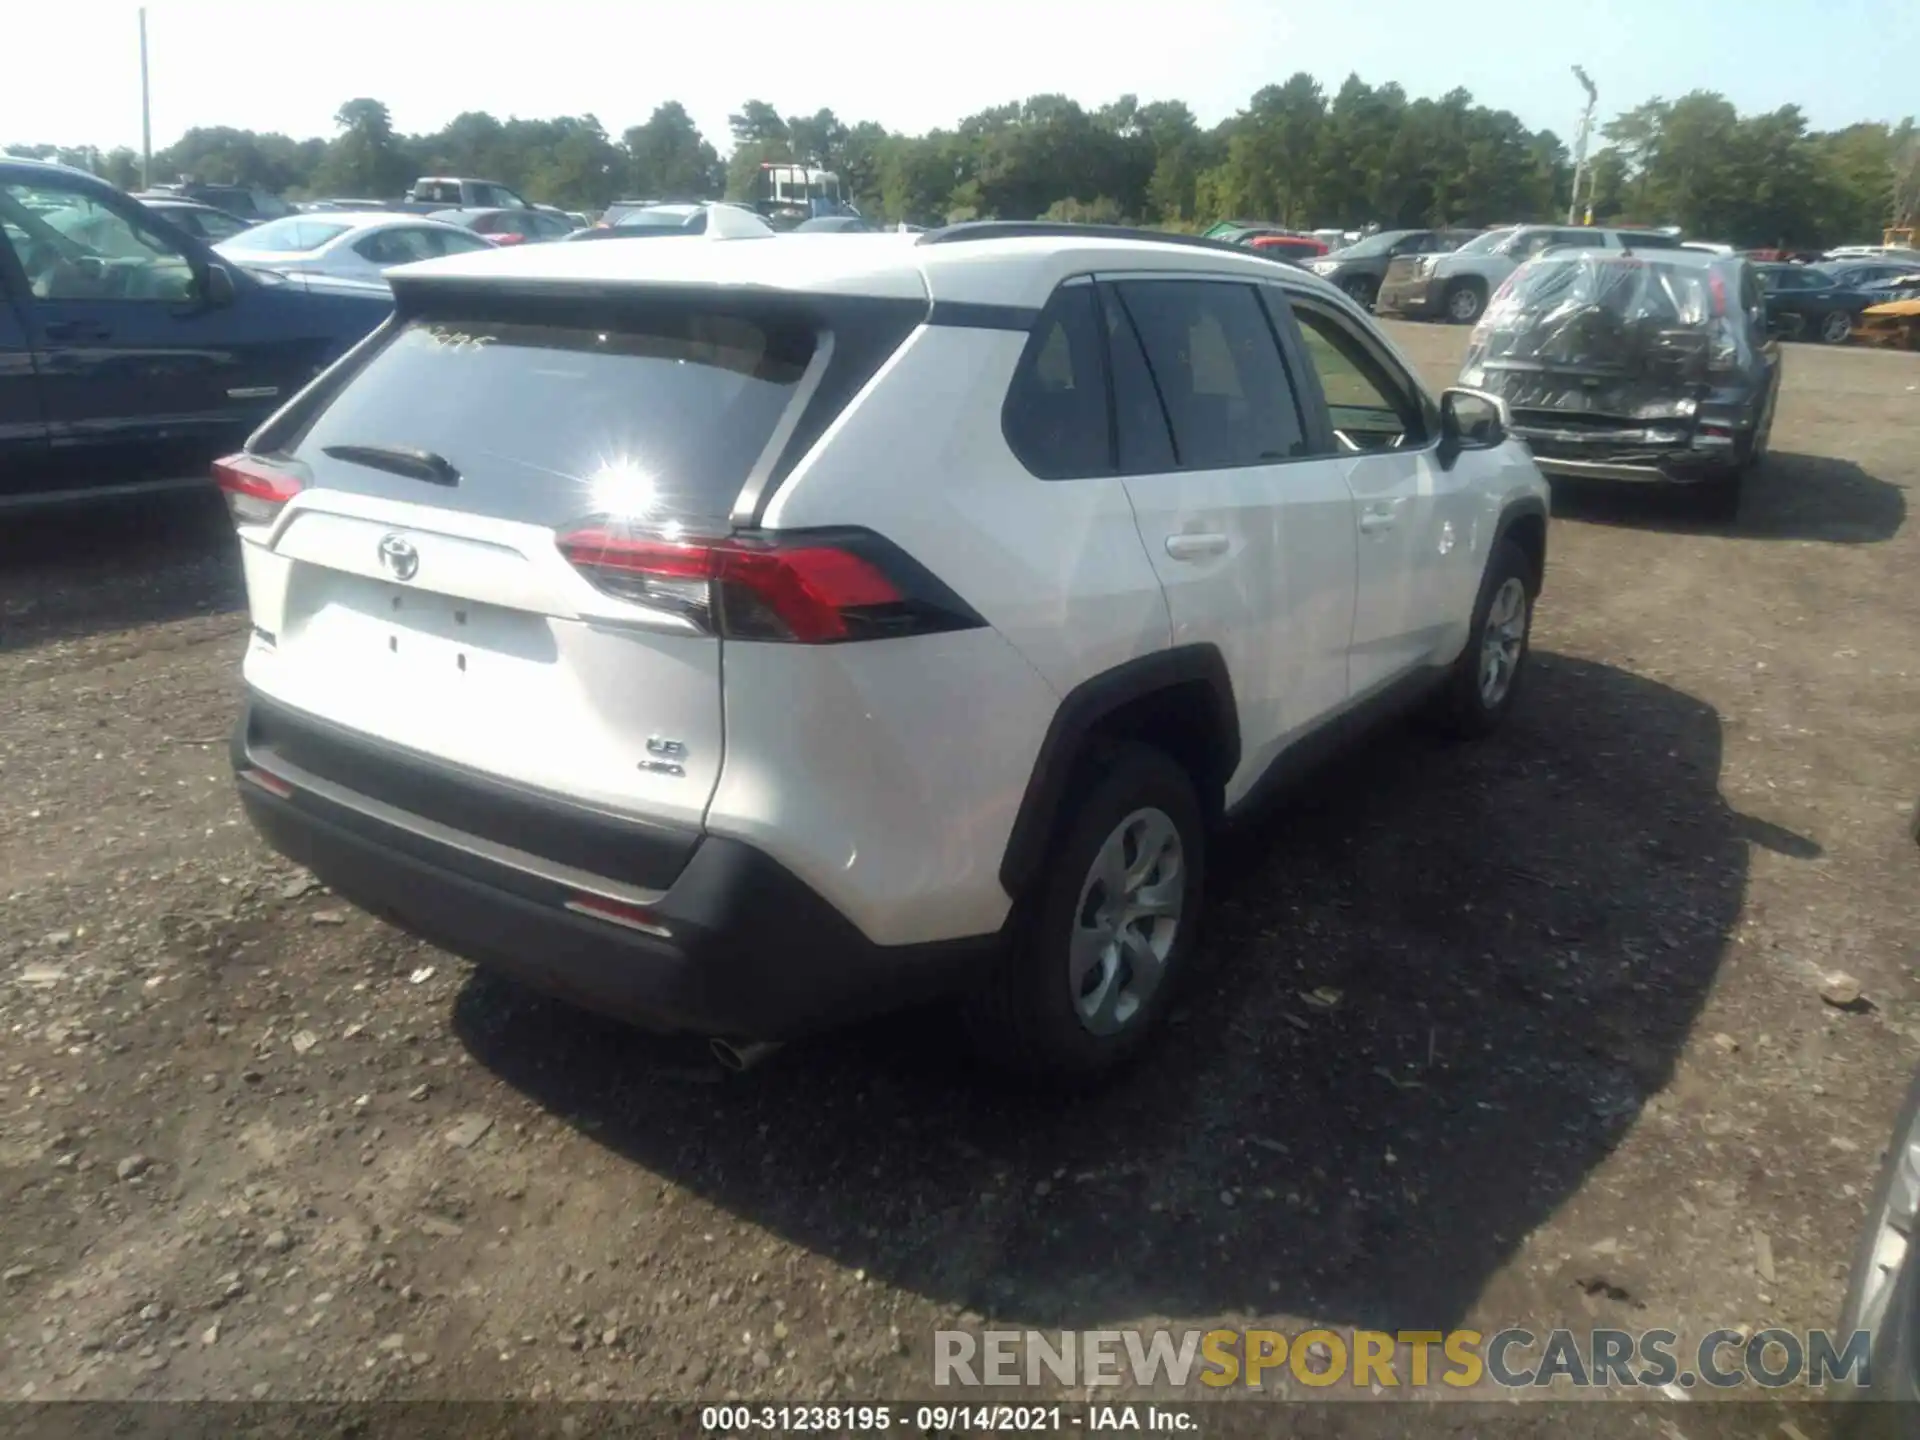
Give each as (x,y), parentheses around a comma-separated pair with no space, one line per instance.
(218,286)
(1471,420)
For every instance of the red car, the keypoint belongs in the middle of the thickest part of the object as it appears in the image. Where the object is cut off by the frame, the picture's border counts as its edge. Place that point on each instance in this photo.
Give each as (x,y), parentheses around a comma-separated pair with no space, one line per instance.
(1297,248)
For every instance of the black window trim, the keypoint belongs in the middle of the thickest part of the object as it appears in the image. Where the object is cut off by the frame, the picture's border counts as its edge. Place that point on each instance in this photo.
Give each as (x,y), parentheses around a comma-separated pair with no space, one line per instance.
(1285,300)
(1104,293)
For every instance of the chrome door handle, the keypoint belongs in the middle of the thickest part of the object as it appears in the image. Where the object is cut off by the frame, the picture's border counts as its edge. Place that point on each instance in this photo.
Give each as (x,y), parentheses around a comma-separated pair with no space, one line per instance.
(1191,546)
(1376,521)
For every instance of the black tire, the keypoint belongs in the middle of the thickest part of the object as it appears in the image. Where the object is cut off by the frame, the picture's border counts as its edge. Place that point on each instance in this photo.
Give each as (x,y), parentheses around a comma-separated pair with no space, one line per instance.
(1836,328)
(1363,290)
(1463,301)
(1023,1019)
(1461,709)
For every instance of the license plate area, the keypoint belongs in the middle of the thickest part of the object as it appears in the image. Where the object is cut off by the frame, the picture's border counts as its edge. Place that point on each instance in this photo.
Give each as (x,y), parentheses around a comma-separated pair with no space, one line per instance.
(403,636)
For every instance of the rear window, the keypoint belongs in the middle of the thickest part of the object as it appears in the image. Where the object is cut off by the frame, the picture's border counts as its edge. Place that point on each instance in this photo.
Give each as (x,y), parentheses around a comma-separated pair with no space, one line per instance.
(659,417)
(658,219)
(1637,289)
(291,235)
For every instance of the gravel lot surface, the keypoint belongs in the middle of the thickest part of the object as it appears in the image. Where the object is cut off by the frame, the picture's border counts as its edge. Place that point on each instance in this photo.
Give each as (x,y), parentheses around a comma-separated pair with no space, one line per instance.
(1529,1032)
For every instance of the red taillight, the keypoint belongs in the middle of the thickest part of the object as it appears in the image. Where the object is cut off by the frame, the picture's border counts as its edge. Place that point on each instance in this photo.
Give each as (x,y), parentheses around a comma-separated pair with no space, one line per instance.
(1717,288)
(508,239)
(810,589)
(255,491)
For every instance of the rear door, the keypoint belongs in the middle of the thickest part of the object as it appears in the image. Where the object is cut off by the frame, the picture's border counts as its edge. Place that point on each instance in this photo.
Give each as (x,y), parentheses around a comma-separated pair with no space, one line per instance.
(429,605)
(1414,520)
(1252,534)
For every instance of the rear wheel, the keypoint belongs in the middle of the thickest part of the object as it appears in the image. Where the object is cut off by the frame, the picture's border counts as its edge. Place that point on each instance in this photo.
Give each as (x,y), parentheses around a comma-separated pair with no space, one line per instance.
(1109,929)
(1479,692)
(1362,290)
(1465,300)
(1835,327)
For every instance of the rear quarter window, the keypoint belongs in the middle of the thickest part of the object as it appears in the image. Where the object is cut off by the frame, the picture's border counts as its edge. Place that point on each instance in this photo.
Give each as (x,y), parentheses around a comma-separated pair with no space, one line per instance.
(1055,415)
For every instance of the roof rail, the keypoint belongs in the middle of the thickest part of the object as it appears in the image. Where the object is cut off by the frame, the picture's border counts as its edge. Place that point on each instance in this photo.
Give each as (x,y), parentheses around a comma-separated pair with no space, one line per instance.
(968,230)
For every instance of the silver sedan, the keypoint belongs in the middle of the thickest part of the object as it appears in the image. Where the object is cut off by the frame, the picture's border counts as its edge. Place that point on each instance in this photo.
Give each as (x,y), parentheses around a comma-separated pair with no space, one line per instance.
(355,246)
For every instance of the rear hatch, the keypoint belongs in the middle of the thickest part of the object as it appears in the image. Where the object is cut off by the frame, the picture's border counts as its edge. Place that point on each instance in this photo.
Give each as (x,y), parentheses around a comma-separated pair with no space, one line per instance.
(1620,347)
(407,554)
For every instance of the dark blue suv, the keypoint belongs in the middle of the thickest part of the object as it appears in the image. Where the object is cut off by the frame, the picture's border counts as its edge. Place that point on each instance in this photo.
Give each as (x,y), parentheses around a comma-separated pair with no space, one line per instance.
(131,355)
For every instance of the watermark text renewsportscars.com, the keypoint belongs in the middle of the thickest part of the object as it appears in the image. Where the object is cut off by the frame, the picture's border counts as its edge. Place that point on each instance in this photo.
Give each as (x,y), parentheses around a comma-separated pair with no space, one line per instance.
(1405,1359)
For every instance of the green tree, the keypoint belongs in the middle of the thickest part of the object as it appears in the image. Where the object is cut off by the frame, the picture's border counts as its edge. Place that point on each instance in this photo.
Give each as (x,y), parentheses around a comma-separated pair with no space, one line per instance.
(669,157)
(367,158)
(759,136)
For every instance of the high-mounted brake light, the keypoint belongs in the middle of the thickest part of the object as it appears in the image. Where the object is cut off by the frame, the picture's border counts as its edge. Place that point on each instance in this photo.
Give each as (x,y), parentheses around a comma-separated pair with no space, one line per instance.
(255,491)
(803,587)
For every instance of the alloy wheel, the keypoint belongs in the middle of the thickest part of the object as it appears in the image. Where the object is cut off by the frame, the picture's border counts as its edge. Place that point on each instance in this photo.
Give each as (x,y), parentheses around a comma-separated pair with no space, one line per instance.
(1502,641)
(1126,921)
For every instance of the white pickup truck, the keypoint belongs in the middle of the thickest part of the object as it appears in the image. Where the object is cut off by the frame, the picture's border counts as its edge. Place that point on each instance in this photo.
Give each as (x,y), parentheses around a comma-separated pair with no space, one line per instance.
(442,192)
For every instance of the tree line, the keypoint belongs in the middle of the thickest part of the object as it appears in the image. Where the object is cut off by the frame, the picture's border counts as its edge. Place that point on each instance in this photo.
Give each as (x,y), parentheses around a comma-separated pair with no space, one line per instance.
(1295,155)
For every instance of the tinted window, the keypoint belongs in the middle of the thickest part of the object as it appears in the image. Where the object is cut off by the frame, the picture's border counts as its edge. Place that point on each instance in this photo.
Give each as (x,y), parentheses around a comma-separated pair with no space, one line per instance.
(1139,420)
(1219,372)
(73,246)
(1055,417)
(1371,409)
(656,414)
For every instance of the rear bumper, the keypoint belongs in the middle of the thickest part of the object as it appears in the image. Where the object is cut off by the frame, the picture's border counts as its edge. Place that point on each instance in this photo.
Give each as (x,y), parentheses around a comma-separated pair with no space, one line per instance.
(1683,463)
(734,946)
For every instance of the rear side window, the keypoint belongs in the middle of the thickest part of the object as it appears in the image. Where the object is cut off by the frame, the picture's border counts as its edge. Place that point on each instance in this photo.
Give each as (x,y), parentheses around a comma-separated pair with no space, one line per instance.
(1055,416)
(1219,372)
(655,415)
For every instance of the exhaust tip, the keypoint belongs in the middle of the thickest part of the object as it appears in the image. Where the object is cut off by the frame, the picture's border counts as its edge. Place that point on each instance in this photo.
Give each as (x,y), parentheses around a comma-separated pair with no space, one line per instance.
(742,1056)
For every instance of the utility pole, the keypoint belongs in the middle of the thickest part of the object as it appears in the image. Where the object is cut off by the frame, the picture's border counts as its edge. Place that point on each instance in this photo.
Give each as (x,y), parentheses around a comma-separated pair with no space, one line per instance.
(1580,138)
(146,114)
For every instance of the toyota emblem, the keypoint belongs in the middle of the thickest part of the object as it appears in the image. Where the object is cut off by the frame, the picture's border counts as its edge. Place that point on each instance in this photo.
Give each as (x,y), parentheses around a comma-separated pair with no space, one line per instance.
(398,557)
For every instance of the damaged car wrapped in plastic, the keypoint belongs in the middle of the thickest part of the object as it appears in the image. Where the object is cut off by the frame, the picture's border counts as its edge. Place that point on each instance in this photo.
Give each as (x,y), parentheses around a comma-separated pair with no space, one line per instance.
(1618,365)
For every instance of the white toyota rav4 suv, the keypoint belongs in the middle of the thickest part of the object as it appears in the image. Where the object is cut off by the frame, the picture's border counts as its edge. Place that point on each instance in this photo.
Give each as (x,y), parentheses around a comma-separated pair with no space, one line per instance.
(740,636)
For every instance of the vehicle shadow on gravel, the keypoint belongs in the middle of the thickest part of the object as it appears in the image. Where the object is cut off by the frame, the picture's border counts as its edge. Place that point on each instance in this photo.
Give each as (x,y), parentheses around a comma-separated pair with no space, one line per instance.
(91,570)
(1439,984)
(1787,497)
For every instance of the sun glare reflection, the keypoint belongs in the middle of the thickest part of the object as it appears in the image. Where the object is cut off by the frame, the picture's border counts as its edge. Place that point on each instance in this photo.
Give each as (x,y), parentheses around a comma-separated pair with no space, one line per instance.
(622,490)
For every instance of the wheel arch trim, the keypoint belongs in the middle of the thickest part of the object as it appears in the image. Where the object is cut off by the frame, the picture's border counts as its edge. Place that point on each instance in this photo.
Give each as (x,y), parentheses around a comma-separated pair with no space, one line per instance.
(1079,716)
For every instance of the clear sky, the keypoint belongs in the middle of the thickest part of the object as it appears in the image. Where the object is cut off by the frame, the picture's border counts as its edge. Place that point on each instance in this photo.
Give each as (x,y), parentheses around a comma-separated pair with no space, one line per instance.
(71,67)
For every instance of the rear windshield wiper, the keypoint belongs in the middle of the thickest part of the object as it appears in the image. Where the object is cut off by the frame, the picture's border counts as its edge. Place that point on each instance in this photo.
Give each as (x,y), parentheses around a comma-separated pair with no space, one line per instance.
(399,460)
